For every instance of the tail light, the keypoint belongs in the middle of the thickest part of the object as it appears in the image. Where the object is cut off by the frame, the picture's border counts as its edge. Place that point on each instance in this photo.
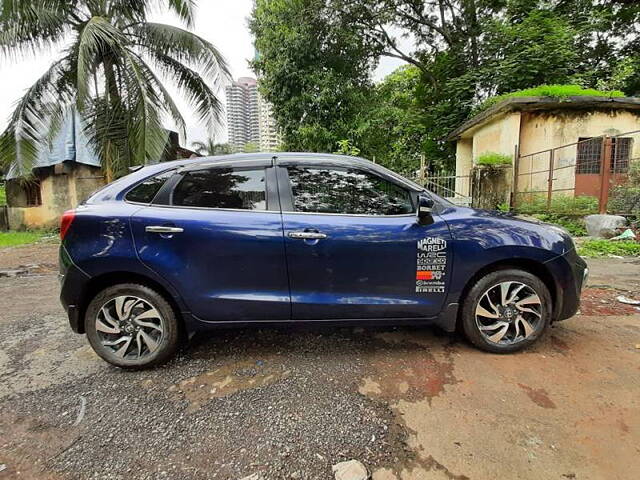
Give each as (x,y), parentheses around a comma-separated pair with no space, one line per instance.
(65,222)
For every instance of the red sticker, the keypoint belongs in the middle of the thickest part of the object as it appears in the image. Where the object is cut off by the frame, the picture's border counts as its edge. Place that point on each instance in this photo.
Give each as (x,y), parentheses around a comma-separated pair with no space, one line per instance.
(424,275)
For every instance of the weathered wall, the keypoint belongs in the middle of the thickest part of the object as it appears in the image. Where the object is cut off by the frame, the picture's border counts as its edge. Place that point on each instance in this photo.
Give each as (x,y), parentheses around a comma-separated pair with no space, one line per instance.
(500,135)
(464,164)
(60,191)
(544,130)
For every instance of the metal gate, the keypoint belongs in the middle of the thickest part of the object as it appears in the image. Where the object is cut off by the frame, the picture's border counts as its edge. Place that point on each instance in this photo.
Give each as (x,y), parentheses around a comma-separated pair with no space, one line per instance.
(589,167)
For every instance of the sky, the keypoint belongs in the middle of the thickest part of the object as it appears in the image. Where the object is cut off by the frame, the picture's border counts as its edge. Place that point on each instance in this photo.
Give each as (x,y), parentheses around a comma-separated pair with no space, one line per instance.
(222,23)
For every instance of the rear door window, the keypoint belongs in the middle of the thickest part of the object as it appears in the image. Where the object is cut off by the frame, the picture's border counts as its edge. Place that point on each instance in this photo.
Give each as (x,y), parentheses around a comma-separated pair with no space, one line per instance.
(222,188)
(146,191)
(346,191)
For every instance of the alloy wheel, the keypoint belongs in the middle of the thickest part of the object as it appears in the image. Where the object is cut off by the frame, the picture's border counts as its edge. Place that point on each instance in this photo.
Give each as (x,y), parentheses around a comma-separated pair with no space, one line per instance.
(129,327)
(509,313)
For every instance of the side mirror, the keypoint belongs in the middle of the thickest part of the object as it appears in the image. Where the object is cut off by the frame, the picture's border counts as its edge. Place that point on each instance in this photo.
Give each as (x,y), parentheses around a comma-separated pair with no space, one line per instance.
(425,208)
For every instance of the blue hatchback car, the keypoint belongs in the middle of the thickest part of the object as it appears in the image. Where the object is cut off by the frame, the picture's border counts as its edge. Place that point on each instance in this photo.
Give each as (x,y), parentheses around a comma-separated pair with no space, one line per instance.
(285,238)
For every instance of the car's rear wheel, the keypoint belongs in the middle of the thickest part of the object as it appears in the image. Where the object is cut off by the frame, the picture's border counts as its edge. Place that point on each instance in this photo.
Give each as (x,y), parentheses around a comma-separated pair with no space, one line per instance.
(131,326)
(506,311)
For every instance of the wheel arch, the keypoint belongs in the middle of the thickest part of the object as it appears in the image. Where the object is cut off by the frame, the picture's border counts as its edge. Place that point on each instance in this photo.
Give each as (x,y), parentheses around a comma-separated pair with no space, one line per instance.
(531,266)
(106,280)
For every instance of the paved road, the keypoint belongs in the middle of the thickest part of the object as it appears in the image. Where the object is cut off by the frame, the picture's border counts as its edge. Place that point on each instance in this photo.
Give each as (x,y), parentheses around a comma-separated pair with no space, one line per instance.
(409,403)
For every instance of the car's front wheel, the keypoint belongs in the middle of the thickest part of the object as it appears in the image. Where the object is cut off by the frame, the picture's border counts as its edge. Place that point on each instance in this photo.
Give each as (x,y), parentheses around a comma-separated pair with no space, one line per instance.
(131,326)
(506,311)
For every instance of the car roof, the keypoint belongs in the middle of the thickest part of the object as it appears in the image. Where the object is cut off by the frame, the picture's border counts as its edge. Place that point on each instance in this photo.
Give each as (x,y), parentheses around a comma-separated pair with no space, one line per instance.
(111,191)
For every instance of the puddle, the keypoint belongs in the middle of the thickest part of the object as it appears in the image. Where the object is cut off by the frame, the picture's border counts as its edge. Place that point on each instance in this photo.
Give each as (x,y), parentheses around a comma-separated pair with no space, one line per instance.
(26,270)
(229,379)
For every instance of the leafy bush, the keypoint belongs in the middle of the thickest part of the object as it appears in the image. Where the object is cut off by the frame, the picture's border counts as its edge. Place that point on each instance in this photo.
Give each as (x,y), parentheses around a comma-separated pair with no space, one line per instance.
(574,225)
(503,207)
(3,195)
(601,247)
(492,159)
(626,198)
(554,91)
(560,204)
(345,147)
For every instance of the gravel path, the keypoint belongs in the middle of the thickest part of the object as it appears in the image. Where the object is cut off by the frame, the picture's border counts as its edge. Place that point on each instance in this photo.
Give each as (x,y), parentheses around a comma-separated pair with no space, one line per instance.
(289,403)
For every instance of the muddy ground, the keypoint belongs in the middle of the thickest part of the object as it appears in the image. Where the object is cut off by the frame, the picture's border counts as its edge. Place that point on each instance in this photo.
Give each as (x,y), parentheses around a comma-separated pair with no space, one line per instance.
(409,403)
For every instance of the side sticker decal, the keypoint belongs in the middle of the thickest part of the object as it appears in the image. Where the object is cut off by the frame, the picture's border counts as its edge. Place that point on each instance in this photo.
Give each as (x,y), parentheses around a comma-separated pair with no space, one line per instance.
(431,265)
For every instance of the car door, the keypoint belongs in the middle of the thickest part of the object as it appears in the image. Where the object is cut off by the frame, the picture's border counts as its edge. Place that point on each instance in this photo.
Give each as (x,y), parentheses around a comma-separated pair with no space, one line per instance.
(215,233)
(354,248)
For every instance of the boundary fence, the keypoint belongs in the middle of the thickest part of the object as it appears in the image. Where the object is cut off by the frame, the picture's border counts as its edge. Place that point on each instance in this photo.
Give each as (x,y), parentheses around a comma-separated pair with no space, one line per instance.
(589,167)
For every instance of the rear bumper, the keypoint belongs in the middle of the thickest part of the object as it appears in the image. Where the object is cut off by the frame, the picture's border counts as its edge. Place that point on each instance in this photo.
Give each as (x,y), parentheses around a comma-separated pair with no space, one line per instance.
(570,272)
(72,283)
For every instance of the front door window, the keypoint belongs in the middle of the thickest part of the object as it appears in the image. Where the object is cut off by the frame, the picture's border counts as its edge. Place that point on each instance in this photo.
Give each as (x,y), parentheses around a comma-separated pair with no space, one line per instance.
(346,191)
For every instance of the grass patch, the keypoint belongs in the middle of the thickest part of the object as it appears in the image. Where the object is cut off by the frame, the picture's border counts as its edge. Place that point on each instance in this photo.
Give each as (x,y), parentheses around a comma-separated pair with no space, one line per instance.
(601,248)
(13,239)
(560,204)
(492,159)
(559,92)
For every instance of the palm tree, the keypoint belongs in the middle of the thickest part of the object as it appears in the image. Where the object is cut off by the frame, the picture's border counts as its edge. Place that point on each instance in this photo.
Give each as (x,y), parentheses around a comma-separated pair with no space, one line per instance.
(210,147)
(111,71)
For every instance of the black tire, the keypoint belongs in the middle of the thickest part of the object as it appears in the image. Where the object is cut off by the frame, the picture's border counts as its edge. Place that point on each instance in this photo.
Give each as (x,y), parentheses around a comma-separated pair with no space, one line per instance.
(488,282)
(166,341)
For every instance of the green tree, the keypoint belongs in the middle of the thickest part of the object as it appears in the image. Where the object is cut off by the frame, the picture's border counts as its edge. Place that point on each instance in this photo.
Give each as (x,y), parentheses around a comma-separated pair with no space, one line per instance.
(345,147)
(314,69)
(209,147)
(520,53)
(394,131)
(107,72)
(317,57)
(250,147)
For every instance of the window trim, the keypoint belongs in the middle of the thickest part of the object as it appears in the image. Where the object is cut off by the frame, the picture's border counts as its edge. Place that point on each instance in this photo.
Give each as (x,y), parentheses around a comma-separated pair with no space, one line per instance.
(286,192)
(271,197)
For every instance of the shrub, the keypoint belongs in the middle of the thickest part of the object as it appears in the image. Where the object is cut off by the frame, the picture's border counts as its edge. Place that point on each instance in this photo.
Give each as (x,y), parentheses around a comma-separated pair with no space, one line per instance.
(492,159)
(601,247)
(626,198)
(560,204)
(574,225)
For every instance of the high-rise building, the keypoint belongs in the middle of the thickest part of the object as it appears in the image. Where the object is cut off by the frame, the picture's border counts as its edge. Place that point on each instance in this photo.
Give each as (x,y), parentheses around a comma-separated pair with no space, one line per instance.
(249,117)
(242,113)
(269,136)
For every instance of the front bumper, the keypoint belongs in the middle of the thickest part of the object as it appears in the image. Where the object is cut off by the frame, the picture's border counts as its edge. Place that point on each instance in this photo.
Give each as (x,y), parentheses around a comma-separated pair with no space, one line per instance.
(570,272)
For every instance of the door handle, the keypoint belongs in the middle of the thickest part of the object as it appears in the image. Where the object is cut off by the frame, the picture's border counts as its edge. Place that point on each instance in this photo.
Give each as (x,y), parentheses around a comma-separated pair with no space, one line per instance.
(307,235)
(163,229)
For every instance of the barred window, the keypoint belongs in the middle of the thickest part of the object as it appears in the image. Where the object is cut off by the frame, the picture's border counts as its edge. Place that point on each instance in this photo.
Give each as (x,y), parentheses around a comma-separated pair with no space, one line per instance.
(33,193)
(620,155)
(589,155)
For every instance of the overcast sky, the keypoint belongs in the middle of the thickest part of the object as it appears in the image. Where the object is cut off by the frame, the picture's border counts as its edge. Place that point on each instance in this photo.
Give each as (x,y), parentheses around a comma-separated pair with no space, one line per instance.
(222,23)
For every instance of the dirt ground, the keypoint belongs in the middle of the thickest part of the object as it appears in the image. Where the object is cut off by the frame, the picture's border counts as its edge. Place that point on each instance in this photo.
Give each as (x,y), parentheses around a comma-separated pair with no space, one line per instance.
(410,403)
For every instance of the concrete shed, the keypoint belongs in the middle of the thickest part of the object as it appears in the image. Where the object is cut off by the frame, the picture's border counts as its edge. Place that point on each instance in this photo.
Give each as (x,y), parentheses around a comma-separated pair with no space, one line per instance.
(528,128)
